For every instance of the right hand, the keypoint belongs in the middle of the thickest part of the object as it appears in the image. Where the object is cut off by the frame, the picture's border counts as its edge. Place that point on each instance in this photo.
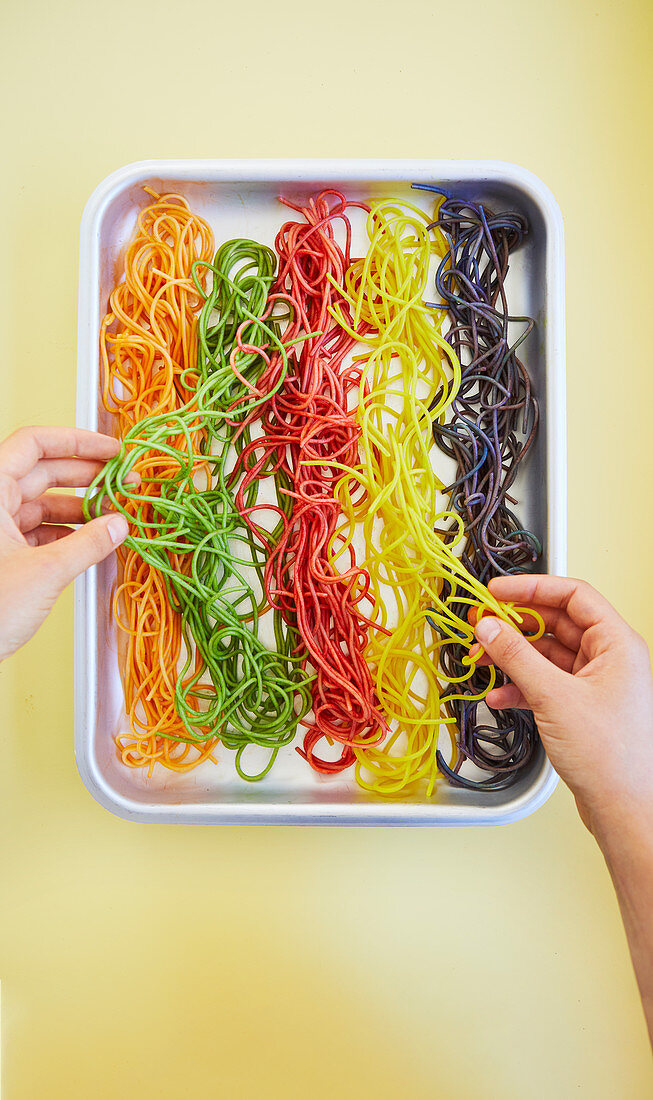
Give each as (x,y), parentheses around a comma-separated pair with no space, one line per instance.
(44,541)
(588,682)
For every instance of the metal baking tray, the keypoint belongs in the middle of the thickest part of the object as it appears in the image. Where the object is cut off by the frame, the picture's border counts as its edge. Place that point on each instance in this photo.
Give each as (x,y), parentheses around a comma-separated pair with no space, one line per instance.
(240,198)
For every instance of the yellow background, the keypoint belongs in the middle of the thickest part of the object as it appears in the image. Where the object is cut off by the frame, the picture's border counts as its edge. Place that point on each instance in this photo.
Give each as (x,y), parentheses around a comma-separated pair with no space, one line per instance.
(199,962)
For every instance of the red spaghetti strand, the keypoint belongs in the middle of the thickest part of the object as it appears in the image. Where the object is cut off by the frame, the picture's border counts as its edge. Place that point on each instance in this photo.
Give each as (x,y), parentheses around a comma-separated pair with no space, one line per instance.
(308,425)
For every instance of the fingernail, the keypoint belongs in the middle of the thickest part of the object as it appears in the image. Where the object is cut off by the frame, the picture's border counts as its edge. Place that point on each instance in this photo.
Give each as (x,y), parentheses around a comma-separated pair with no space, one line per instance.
(118,529)
(487,630)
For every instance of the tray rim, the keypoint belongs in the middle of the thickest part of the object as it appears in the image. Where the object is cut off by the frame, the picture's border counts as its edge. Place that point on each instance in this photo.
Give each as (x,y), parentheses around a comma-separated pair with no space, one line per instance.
(284,170)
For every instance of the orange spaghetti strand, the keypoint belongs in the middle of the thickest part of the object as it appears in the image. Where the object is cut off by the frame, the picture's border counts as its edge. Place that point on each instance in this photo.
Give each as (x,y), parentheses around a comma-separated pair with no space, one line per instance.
(148,339)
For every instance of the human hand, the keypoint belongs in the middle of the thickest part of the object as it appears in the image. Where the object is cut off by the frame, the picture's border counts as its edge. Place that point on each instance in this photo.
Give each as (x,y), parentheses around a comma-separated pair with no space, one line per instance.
(40,553)
(588,682)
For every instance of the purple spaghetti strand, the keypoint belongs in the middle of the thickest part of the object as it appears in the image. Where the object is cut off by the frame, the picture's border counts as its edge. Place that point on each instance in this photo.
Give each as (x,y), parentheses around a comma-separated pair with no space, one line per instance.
(490,430)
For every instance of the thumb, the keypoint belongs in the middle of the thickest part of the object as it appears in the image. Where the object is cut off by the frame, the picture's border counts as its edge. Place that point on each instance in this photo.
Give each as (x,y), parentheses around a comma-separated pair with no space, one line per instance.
(535,676)
(86,546)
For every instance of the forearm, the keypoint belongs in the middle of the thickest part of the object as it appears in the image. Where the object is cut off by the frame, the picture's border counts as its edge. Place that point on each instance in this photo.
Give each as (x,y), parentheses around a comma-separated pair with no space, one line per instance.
(626,840)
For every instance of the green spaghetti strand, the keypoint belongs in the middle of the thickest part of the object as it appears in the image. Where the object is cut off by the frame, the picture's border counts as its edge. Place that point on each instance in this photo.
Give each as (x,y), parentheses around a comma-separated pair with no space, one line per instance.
(239,690)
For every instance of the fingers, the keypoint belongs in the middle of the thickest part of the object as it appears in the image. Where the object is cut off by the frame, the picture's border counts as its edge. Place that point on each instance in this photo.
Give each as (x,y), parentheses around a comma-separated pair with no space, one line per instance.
(506,697)
(86,546)
(584,605)
(556,622)
(535,676)
(52,508)
(10,497)
(558,654)
(509,697)
(53,473)
(47,533)
(20,452)
(549,647)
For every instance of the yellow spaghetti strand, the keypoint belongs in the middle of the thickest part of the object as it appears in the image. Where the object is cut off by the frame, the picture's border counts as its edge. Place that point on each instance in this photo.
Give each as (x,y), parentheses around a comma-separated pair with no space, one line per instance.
(409,377)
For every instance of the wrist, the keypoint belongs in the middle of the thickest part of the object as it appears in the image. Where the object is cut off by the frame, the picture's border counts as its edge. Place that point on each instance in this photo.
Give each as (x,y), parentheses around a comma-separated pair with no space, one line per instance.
(625,835)
(622,827)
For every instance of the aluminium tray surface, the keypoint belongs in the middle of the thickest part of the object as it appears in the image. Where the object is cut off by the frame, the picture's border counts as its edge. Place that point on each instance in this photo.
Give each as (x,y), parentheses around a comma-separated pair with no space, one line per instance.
(240,198)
